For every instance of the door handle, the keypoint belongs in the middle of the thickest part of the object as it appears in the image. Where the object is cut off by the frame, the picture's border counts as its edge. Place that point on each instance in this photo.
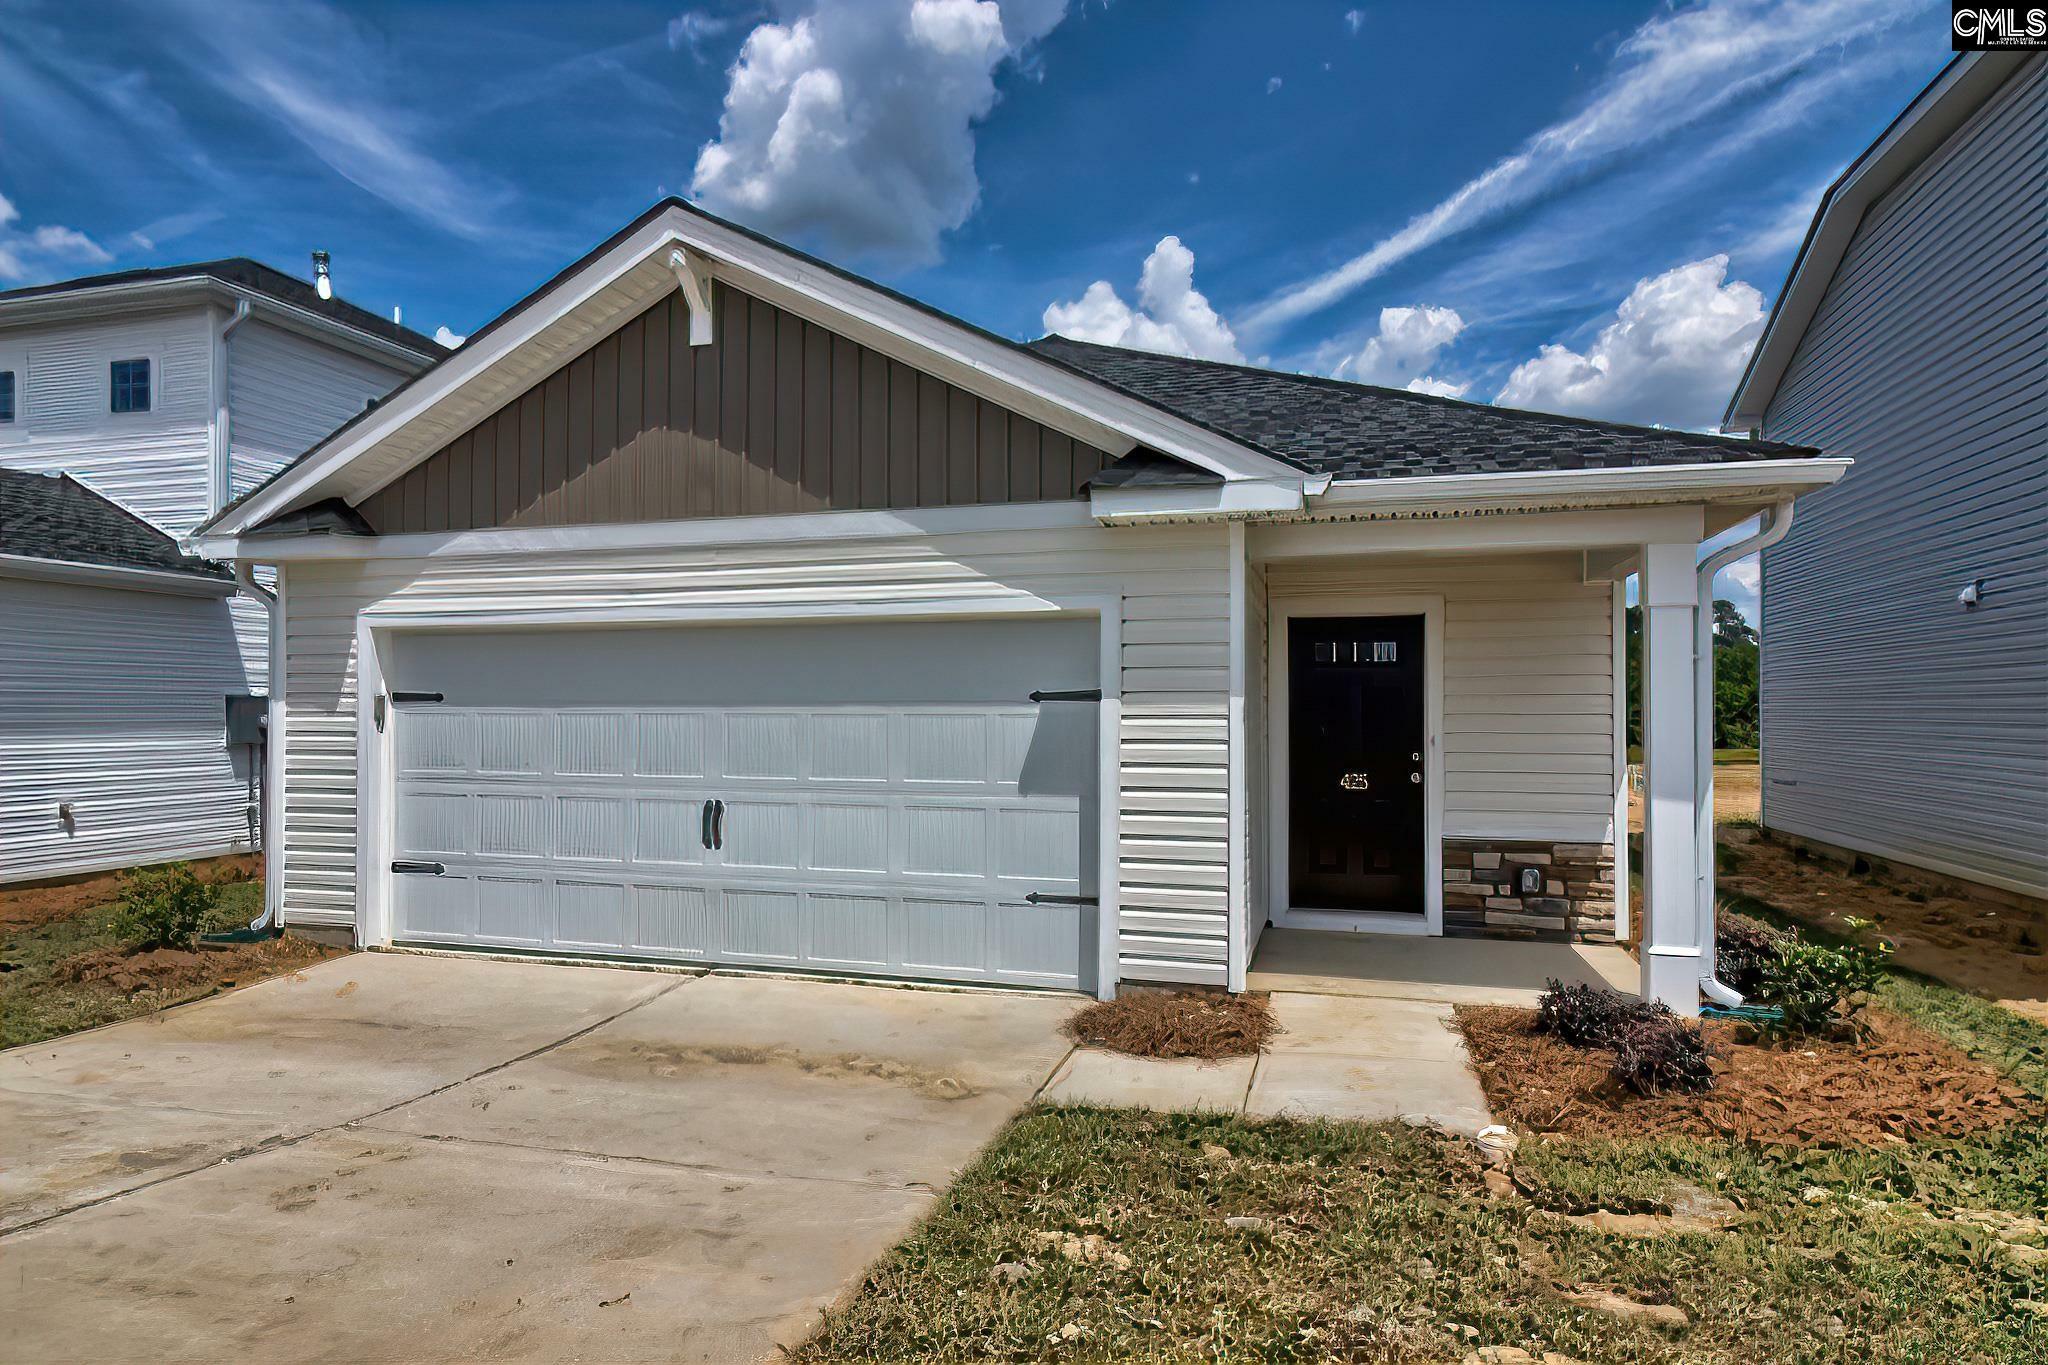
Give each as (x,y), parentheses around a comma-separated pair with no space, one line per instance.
(704,824)
(718,824)
(413,865)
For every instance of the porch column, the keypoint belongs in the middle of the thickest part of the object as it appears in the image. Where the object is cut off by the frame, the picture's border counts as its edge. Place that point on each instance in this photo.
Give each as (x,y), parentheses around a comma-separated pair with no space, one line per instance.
(1673,957)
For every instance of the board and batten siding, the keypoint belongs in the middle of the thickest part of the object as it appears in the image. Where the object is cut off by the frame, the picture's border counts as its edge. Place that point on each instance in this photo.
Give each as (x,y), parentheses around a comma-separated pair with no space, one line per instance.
(152,463)
(776,415)
(1895,721)
(113,701)
(1528,685)
(1172,753)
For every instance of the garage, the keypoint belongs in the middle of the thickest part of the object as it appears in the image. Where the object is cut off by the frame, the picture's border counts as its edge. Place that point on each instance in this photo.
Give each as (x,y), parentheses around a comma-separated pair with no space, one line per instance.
(874,798)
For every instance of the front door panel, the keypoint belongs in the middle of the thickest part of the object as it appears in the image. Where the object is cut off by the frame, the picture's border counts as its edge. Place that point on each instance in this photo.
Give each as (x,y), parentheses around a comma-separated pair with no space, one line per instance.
(1357,775)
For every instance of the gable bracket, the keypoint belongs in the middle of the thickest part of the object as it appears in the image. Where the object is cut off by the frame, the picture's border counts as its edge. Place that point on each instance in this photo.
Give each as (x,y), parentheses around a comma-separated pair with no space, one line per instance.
(693,277)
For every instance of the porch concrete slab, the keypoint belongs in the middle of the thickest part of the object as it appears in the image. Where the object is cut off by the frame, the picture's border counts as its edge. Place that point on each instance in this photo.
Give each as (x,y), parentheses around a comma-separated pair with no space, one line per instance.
(119,1107)
(1329,1085)
(370,1246)
(1360,1026)
(869,1083)
(1464,971)
(1111,1078)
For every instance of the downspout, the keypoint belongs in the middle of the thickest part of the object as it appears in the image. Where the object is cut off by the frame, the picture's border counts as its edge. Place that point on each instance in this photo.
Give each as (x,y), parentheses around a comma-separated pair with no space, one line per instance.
(1776,521)
(273,831)
(219,479)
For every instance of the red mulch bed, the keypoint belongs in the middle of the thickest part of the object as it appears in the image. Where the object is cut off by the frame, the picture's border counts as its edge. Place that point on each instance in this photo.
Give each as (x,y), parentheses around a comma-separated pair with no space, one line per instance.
(1205,1024)
(1900,1084)
(182,970)
(37,903)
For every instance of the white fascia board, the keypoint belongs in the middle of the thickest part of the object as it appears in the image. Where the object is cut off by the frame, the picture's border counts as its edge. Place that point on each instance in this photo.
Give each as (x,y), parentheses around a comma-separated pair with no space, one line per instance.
(710,532)
(114,576)
(1714,482)
(1038,388)
(326,330)
(1238,498)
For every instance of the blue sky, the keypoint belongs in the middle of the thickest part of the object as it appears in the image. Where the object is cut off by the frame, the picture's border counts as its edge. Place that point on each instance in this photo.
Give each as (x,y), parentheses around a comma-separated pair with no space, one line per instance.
(1580,207)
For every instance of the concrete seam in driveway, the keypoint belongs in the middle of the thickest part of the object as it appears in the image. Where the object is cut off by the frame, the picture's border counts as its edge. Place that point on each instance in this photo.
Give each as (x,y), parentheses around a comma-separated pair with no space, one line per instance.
(273,1144)
(591,1154)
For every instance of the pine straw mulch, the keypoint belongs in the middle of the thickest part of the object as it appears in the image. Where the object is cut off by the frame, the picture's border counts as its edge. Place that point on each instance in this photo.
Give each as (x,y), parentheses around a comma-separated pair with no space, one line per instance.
(1898,1085)
(183,970)
(1205,1024)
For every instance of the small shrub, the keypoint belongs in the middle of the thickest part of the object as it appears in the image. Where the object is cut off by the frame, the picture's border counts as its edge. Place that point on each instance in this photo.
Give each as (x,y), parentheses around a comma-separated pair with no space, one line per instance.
(1744,949)
(1660,1054)
(161,907)
(1820,989)
(1589,1016)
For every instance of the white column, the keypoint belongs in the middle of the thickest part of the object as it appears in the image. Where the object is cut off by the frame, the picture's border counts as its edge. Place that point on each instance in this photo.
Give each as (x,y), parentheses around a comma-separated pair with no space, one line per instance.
(1673,959)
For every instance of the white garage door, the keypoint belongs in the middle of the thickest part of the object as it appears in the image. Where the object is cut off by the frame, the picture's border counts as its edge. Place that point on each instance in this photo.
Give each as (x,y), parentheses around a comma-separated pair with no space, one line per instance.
(875,799)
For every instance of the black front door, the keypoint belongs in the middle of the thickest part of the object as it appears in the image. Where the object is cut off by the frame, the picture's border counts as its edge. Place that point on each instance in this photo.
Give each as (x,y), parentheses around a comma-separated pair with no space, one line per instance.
(1356,775)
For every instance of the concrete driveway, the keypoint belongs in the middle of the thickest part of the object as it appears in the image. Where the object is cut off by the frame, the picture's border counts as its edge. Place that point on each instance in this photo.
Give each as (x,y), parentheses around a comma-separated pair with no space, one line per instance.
(390,1157)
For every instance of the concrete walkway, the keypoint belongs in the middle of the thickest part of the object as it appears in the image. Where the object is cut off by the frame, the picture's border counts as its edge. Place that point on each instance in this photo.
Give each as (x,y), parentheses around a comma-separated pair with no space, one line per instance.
(1340,1057)
(1451,971)
(391,1157)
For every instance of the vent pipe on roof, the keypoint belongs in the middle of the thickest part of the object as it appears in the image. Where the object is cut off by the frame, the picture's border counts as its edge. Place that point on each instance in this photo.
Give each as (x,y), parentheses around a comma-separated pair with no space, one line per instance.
(323,284)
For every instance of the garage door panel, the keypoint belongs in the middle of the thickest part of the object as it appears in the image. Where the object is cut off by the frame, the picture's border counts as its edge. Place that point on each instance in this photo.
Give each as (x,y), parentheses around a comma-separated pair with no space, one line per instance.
(867,829)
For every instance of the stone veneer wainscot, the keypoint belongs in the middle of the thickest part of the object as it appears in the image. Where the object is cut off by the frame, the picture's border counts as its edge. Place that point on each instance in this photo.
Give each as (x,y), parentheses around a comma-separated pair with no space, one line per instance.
(1483,899)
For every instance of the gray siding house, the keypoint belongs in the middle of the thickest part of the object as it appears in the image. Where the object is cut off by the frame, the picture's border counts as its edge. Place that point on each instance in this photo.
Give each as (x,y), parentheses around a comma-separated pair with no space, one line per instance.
(1905,659)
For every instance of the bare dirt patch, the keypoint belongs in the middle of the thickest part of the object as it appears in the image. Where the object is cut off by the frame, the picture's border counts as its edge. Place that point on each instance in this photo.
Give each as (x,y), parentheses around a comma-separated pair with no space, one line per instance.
(25,907)
(1986,946)
(184,970)
(1738,796)
(1900,1084)
(1203,1024)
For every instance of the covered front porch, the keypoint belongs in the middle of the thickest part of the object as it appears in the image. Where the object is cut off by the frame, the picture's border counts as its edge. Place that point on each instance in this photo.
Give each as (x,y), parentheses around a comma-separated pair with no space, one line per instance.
(1435,718)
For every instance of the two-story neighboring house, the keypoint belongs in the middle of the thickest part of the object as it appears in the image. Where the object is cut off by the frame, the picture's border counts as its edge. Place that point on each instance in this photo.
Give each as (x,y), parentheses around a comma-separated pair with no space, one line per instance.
(132,407)
(1905,654)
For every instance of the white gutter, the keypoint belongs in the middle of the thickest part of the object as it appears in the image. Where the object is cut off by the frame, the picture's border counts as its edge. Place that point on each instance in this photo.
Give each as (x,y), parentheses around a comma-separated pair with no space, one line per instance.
(114,576)
(1775,523)
(1715,477)
(219,483)
(273,753)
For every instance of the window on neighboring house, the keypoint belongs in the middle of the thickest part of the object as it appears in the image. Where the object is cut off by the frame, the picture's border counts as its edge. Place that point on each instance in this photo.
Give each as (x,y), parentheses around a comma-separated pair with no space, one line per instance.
(6,395)
(130,386)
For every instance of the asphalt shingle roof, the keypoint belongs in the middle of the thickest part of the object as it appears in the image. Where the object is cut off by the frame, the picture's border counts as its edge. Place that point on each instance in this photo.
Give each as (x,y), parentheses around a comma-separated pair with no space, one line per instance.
(1359,431)
(259,278)
(55,517)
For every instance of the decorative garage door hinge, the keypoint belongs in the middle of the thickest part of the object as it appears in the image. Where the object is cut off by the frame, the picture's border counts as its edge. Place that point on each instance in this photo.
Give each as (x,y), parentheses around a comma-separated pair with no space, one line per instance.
(418,868)
(1075,694)
(1048,898)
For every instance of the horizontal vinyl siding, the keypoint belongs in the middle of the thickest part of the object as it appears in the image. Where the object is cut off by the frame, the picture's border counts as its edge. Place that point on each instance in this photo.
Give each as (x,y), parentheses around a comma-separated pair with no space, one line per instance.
(1172,753)
(152,463)
(286,392)
(113,701)
(1894,721)
(1528,686)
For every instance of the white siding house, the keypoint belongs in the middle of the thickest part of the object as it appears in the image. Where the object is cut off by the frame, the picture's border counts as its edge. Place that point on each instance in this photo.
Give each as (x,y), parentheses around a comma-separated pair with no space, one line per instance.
(1905,650)
(1354,667)
(113,749)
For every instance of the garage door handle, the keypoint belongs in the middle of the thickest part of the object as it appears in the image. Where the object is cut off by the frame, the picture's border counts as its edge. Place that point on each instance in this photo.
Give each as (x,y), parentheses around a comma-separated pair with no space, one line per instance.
(1075,694)
(416,698)
(718,824)
(428,869)
(1047,898)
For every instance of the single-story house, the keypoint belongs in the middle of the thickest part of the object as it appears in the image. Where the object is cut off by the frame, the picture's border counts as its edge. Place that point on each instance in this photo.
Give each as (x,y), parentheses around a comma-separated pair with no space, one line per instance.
(715,604)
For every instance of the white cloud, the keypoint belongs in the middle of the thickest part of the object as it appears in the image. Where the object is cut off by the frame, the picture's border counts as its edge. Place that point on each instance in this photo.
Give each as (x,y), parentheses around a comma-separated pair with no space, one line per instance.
(1671,356)
(856,119)
(446,338)
(44,252)
(1439,388)
(690,28)
(1354,20)
(1407,344)
(1678,69)
(1273,84)
(1172,315)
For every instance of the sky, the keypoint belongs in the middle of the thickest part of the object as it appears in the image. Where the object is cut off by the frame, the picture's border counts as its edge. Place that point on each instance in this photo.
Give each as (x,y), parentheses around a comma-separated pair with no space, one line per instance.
(1577,207)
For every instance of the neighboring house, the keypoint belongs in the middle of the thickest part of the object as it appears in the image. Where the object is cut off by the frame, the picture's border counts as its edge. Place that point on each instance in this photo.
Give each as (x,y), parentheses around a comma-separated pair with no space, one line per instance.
(165,391)
(714,604)
(1905,642)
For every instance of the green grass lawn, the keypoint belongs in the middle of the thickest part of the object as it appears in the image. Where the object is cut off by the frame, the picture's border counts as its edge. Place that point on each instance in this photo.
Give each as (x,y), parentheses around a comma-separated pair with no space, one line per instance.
(36,1004)
(1383,1243)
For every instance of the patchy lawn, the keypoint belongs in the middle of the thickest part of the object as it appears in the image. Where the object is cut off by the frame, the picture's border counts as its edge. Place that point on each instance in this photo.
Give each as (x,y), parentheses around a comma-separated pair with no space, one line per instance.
(69,972)
(1087,1234)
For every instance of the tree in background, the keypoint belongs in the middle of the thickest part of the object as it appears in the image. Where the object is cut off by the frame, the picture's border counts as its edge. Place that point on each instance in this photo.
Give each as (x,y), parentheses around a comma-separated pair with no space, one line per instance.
(1737,653)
